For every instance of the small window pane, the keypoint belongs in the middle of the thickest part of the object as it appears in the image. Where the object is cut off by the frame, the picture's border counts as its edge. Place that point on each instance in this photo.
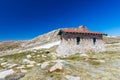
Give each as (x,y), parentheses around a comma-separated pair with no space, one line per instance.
(94,41)
(78,40)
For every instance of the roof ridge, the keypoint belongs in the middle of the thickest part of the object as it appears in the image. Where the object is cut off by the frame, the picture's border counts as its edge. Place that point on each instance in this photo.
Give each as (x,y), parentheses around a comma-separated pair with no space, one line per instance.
(76,30)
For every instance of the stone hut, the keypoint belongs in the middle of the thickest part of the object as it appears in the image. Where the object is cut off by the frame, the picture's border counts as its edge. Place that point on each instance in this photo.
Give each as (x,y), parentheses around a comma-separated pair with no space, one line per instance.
(79,40)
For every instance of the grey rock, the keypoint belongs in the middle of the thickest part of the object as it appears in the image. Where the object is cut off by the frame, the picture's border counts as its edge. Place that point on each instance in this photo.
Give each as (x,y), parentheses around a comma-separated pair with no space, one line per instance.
(14,76)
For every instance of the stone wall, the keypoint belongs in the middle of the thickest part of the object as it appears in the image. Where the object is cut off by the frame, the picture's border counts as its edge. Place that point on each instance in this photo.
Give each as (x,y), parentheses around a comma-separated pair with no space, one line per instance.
(69,45)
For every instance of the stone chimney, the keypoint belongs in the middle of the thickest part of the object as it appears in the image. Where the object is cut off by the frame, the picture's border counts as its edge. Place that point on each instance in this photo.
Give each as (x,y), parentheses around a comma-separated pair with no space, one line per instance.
(83,28)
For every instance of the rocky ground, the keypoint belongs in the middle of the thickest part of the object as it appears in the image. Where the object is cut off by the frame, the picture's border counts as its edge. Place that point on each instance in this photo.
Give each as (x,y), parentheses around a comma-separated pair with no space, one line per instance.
(45,65)
(36,59)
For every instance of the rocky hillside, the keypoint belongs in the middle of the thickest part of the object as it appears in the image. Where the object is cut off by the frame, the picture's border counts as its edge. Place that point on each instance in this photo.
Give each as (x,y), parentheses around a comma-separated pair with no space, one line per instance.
(10,46)
(50,37)
(111,39)
(43,39)
(18,46)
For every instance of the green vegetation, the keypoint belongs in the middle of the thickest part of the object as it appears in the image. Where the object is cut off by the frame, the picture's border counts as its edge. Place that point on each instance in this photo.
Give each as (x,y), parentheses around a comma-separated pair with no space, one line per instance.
(111,40)
(75,65)
(9,46)
(18,57)
(111,55)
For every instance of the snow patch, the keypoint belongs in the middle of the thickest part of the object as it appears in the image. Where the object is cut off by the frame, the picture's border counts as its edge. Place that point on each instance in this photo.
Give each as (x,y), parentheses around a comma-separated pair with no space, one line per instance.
(46,46)
(112,36)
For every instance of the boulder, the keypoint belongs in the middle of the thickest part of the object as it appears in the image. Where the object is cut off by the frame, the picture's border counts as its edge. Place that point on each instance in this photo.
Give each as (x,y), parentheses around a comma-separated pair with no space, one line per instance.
(1,59)
(4,63)
(20,67)
(12,65)
(58,61)
(44,65)
(47,51)
(38,64)
(5,73)
(35,50)
(16,76)
(26,61)
(38,55)
(30,65)
(23,71)
(100,61)
(28,56)
(69,77)
(44,56)
(57,67)
(84,55)
(53,56)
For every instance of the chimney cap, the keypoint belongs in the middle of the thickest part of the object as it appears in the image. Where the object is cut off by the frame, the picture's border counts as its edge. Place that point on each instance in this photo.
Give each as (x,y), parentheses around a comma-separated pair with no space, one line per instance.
(82,26)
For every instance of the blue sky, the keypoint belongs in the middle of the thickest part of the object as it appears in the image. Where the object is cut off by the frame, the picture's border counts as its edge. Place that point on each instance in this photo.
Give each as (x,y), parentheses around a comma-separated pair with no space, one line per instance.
(26,19)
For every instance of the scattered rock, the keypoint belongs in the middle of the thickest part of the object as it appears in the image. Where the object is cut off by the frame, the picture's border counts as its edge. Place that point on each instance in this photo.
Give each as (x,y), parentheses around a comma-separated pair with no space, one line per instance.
(69,77)
(34,50)
(84,55)
(23,71)
(94,75)
(41,51)
(1,59)
(14,76)
(38,64)
(58,61)
(12,65)
(57,67)
(47,51)
(38,55)
(5,73)
(100,61)
(30,65)
(28,56)
(44,65)
(21,67)
(4,63)
(44,56)
(26,61)
(53,55)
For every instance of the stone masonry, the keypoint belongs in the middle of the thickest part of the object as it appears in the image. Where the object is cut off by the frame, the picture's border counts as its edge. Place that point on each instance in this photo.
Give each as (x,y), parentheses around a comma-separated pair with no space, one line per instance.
(87,43)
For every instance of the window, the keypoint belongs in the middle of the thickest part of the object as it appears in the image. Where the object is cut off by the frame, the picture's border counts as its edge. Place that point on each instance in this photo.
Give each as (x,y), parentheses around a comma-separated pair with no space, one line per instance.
(78,40)
(94,41)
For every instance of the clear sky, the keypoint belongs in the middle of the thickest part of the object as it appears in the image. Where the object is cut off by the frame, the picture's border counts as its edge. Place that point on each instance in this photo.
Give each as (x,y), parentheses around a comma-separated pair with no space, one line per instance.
(26,19)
